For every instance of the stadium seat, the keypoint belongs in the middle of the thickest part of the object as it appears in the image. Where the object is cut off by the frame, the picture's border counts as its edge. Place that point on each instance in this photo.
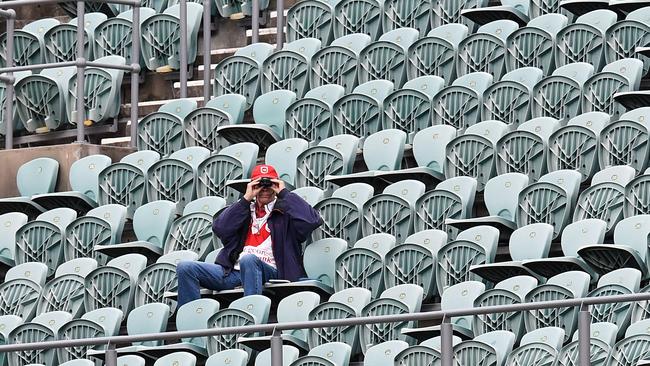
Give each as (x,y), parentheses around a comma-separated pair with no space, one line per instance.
(200,125)
(337,63)
(618,282)
(484,51)
(37,176)
(427,352)
(393,210)
(474,246)
(435,54)
(60,41)
(624,142)
(78,362)
(103,322)
(626,35)
(358,17)
(559,95)
(17,123)
(10,248)
(334,155)
(583,39)
(603,337)
(131,360)
(574,146)
(551,200)
(404,13)
(282,156)
(269,112)
(193,231)
(616,78)
(235,357)
(311,195)
(508,100)
(113,35)
(41,240)
(449,11)
(413,262)
(176,359)
(288,69)
(459,105)
(633,348)
(409,109)
(101,226)
(635,201)
(343,304)
(363,265)
(309,118)
(341,213)
(359,113)
(289,355)
(29,44)
(311,19)
(567,285)
(540,346)
(515,10)
(473,154)
(512,290)
(529,242)
(383,353)
(162,131)
(232,164)
(161,39)
(8,323)
(534,44)
(451,199)
(65,292)
(124,182)
(42,328)
(239,73)
(488,348)
(84,182)
(334,354)
(385,59)
(21,290)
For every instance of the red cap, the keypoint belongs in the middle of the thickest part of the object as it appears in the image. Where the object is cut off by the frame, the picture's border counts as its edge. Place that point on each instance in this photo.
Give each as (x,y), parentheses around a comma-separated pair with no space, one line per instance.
(264,171)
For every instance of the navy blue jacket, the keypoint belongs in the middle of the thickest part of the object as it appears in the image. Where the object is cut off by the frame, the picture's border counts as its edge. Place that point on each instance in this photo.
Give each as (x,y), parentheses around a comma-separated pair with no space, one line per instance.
(291,221)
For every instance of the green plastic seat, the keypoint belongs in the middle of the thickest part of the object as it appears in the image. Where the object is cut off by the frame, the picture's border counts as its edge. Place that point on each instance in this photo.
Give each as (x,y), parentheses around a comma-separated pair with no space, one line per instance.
(341,212)
(288,69)
(84,181)
(404,13)
(413,261)
(333,156)
(232,163)
(473,154)
(17,124)
(208,204)
(40,240)
(400,299)
(459,105)
(192,231)
(486,349)
(534,44)
(343,304)
(635,201)
(282,156)
(409,109)
(337,63)
(363,265)
(329,354)
(358,17)
(510,291)
(474,246)
(234,357)
(131,360)
(574,146)
(11,247)
(634,347)
(124,182)
(101,226)
(200,126)
(309,118)
(393,210)
(484,51)
(21,290)
(603,337)
(161,37)
(359,113)
(509,99)
(541,7)
(419,355)
(43,328)
(619,76)
(435,54)
(538,347)
(269,112)
(61,40)
(618,282)
(162,131)
(240,73)
(386,58)
(29,43)
(33,271)
(525,150)
(449,11)
(583,40)
(65,291)
(310,19)
(113,35)
(559,95)
(176,359)
(624,142)
(567,285)
(79,362)
(383,353)
(103,322)
(145,319)
(8,323)
(247,310)
(515,10)
(451,199)
(625,36)
(289,355)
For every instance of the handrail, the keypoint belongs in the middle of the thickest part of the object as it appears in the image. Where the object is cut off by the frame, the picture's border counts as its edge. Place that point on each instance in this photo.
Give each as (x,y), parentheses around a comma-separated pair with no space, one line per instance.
(583,303)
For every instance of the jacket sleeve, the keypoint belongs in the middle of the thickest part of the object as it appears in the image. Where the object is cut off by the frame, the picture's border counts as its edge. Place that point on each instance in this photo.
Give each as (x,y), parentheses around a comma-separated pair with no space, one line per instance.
(304,219)
(227,225)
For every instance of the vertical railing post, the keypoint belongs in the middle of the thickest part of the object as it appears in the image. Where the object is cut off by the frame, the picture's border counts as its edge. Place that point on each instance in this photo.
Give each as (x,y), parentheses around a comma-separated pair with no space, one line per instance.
(446,342)
(81,67)
(135,74)
(207,38)
(110,358)
(9,87)
(255,22)
(276,348)
(183,26)
(584,336)
(280,20)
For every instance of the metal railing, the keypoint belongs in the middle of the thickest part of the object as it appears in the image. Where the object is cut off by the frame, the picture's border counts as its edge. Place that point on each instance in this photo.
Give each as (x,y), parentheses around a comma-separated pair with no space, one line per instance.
(446,330)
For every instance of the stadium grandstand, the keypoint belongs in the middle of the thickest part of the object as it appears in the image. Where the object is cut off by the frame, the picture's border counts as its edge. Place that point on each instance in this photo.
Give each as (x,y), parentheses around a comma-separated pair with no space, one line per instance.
(463,154)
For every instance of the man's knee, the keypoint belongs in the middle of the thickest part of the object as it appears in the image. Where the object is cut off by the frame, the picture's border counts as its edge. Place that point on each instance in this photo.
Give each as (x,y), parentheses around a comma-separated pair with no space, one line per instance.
(249,261)
(185,268)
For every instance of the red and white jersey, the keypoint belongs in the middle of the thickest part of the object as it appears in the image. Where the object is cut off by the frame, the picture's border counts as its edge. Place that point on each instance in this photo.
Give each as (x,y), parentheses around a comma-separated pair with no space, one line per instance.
(258,241)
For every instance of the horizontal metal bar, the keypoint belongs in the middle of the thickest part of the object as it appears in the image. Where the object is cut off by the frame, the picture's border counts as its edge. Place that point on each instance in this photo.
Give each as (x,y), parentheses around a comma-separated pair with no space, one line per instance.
(38,67)
(20,3)
(112,66)
(7,13)
(127,339)
(7,79)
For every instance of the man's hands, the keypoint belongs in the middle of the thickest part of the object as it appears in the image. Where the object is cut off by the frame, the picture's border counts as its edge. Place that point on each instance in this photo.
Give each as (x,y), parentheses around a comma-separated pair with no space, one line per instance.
(252,189)
(278,185)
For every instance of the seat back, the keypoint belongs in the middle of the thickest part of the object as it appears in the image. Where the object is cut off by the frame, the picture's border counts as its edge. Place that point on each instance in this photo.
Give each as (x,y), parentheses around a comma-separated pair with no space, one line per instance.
(485,50)
(582,41)
(37,176)
(320,259)
(458,105)
(534,44)
(148,318)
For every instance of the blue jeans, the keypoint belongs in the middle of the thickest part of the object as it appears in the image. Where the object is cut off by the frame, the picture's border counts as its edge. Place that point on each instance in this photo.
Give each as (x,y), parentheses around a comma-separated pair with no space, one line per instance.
(192,276)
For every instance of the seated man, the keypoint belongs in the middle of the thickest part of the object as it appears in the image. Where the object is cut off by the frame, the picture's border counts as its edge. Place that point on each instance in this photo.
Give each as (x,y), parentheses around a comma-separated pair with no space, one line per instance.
(261,235)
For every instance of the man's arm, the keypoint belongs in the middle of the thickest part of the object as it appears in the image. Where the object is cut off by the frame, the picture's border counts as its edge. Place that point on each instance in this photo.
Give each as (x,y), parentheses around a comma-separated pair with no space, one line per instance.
(304,218)
(228,224)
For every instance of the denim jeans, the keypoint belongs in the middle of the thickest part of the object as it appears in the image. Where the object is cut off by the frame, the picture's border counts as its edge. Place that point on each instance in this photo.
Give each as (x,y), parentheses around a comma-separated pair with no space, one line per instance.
(192,276)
